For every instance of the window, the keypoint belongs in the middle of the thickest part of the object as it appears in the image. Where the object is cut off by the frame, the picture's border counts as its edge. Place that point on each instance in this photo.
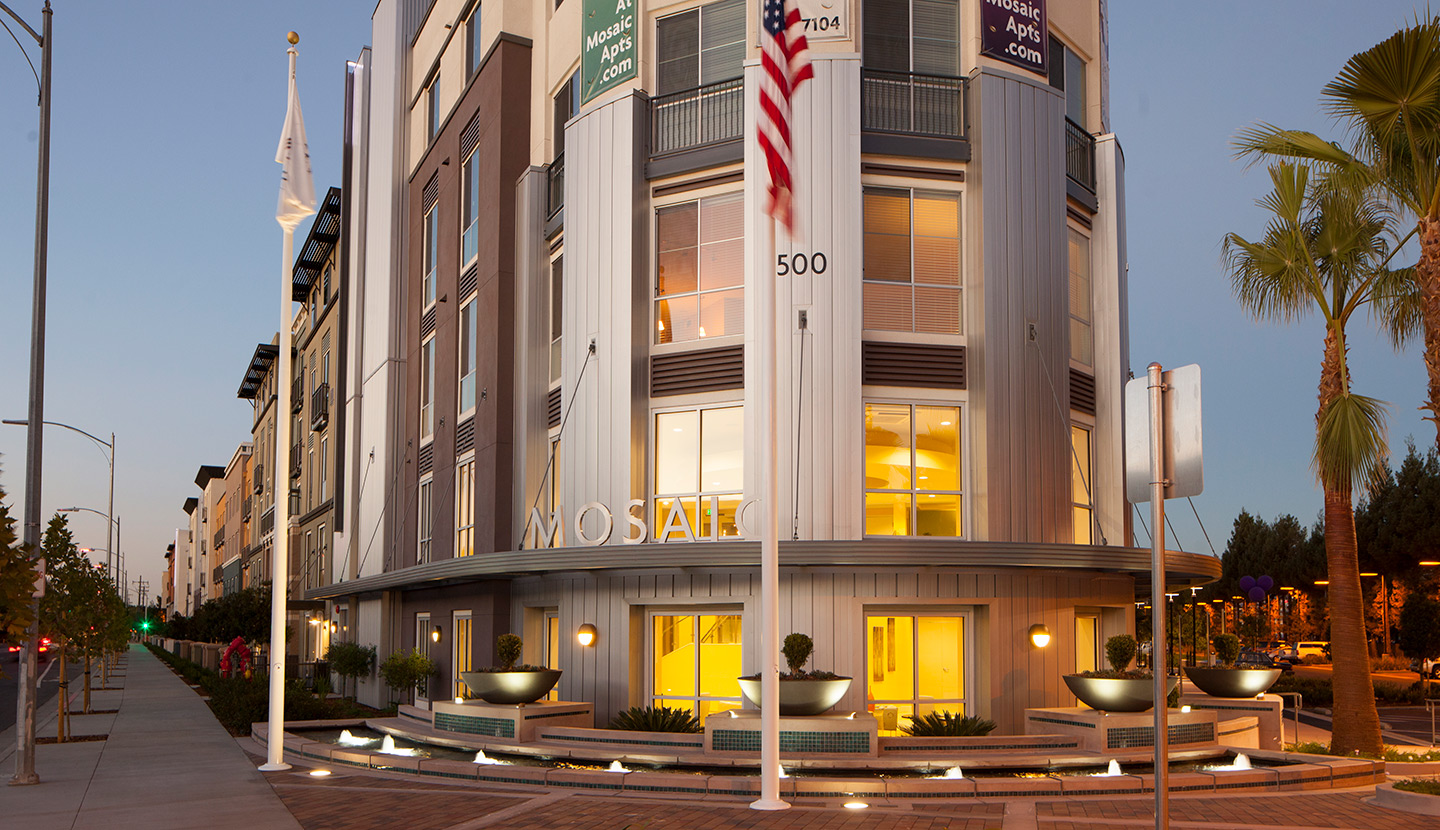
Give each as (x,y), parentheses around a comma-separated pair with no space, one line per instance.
(470,205)
(427,389)
(700,269)
(422,634)
(322,557)
(695,659)
(432,108)
(472,42)
(425,520)
(701,46)
(552,647)
(1087,642)
(1081,474)
(463,651)
(432,256)
(324,469)
(467,355)
(916,666)
(920,36)
(1067,74)
(912,261)
(1082,343)
(553,490)
(465,507)
(557,295)
(699,473)
(567,103)
(913,482)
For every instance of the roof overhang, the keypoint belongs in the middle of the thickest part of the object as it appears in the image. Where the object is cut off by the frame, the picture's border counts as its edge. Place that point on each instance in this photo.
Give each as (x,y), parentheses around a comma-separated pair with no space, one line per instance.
(260,364)
(324,233)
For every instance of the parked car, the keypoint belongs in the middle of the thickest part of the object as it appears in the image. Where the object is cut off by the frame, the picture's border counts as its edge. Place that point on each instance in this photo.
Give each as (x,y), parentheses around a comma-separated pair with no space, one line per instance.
(1317,648)
(1261,660)
(1426,667)
(43,649)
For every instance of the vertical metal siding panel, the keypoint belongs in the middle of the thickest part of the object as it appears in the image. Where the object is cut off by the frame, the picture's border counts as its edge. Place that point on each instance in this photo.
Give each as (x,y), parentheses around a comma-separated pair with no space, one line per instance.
(1036,495)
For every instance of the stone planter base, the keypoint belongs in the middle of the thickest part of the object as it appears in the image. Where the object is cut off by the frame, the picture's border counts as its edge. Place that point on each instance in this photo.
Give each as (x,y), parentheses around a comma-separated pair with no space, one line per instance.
(1113,731)
(1387,796)
(851,735)
(1266,709)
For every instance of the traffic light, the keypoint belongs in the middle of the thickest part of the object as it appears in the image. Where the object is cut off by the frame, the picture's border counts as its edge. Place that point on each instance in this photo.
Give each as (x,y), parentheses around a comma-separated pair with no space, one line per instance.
(144,625)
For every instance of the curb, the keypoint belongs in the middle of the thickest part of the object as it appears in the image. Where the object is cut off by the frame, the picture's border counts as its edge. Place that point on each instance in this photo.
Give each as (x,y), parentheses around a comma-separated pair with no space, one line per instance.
(1387,796)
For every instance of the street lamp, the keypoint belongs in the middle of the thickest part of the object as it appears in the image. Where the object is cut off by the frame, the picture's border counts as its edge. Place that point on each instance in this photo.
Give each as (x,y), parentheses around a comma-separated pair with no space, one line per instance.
(118,558)
(107,447)
(25,699)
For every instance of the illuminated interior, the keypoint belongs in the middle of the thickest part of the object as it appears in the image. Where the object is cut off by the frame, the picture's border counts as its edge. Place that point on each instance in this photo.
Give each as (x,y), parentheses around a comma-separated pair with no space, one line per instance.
(912,471)
(697,678)
(1080,476)
(552,649)
(700,269)
(1087,643)
(915,666)
(699,465)
(463,653)
(912,261)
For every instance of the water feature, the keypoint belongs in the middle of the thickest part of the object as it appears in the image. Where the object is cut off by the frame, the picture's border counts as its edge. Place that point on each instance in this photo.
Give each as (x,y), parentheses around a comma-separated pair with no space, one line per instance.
(616,766)
(1113,769)
(485,760)
(348,739)
(952,772)
(1242,762)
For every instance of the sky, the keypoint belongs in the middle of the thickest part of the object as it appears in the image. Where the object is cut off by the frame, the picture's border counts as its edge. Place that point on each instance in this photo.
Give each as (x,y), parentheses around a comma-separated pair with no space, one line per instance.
(164,250)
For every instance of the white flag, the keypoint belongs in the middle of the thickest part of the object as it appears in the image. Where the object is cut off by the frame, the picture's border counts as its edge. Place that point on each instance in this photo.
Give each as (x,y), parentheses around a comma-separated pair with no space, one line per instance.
(297,186)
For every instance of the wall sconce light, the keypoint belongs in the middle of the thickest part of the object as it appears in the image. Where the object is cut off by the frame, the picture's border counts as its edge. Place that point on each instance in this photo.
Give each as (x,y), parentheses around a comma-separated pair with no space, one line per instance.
(586,635)
(435,634)
(313,620)
(1039,635)
(333,626)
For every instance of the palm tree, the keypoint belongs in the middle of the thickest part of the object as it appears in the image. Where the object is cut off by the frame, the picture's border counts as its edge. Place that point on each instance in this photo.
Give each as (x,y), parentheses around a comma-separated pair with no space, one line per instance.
(1390,95)
(1323,251)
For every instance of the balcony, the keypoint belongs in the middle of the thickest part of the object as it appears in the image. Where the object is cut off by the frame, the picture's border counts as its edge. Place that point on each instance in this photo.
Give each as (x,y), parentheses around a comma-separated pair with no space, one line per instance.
(555,187)
(915,105)
(219,538)
(297,395)
(700,117)
(297,452)
(245,509)
(267,521)
(259,478)
(1079,155)
(320,407)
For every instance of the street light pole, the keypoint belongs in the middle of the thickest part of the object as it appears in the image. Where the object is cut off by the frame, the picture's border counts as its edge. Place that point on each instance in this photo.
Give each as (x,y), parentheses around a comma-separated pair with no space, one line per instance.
(109,459)
(25,700)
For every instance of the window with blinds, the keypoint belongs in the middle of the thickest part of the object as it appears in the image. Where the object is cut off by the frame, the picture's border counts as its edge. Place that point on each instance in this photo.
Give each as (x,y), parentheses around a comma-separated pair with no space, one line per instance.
(912,261)
(920,36)
(701,46)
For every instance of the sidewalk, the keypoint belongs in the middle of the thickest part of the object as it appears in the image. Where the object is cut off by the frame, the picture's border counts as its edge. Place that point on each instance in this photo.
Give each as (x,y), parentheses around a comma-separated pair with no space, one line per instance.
(166,763)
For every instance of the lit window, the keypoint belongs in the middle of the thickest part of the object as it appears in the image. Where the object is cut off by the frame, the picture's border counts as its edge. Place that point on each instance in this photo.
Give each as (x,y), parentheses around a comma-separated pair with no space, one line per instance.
(427,389)
(432,256)
(912,470)
(694,662)
(700,276)
(465,507)
(912,261)
(1082,343)
(916,667)
(467,355)
(470,204)
(1081,476)
(556,320)
(699,472)
(463,650)
(426,521)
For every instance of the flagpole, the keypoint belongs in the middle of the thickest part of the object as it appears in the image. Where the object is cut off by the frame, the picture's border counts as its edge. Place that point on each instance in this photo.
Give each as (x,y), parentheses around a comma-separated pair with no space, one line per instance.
(279,548)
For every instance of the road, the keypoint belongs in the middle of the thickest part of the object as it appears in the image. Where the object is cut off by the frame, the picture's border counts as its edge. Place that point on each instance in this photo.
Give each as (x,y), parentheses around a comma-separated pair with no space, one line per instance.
(49,685)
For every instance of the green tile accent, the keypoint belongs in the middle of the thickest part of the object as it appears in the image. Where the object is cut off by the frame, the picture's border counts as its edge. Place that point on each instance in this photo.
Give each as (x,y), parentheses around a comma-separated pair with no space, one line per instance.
(578,739)
(1131,737)
(553,715)
(471,725)
(737,740)
(1081,723)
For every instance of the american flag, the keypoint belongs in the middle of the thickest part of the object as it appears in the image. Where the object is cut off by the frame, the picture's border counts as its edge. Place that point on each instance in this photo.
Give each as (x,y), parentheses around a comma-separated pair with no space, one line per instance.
(785,62)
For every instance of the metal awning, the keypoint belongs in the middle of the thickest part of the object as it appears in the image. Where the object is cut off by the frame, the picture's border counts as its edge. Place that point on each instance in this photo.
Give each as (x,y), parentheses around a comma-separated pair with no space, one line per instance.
(260,363)
(324,233)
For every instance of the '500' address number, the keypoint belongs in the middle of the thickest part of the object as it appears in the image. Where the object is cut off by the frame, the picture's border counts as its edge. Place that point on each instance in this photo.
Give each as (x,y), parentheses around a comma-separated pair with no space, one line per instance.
(815,263)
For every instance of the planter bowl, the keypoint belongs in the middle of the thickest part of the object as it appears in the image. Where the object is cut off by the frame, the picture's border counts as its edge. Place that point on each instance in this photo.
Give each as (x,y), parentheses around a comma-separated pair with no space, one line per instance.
(1223,681)
(1114,694)
(511,686)
(800,698)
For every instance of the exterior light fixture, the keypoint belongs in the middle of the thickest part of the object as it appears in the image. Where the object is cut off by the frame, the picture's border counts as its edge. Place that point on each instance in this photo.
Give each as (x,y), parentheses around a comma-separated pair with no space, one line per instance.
(1427,563)
(435,634)
(586,635)
(319,773)
(1039,635)
(855,805)
(333,626)
(313,621)
(1322,582)
(459,700)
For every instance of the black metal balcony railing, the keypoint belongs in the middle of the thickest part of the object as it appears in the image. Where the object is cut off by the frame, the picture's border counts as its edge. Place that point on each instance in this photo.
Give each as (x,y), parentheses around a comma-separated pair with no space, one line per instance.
(691,118)
(267,521)
(555,187)
(1079,155)
(297,452)
(245,509)
(219,539)
(904,102)
(297,395)
(320,407)
(259,478)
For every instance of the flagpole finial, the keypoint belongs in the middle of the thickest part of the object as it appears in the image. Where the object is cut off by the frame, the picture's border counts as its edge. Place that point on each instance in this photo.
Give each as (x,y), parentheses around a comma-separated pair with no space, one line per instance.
(293,37)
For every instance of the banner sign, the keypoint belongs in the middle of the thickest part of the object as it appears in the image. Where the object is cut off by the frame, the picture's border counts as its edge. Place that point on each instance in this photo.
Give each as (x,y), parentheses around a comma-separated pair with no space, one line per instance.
(1015,31)
(608,57)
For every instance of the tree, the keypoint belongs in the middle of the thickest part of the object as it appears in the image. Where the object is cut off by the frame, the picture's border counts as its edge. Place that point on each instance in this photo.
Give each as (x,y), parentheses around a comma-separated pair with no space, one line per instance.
(1323,251)
(405,671)
(17,583)
(1420,626)
(64,611)
(1390,96)
(350,660)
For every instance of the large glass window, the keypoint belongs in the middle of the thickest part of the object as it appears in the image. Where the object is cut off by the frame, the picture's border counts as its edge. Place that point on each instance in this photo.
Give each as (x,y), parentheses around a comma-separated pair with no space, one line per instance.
(557,297)
(695,659)
(921,36)
(700,269)
(916,666)
(913,478)
(1087,642)
(468,332)
(1067,74)
(699,472)
(432,256)
(1082,342)
(700,46)
(912,261)
(1081,472)
(472,41)
(465,507)
(463,652)
(427,389)
(469,209)
(425,520)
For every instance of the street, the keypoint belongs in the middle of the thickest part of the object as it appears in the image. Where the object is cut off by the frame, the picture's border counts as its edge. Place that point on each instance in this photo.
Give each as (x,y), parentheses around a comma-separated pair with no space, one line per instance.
(49,684)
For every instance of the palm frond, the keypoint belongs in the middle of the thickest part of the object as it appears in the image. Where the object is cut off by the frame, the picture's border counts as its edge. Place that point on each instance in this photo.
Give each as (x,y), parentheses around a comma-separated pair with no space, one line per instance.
(1266,142)
(1396,305)
(1393,87)
(1350,443)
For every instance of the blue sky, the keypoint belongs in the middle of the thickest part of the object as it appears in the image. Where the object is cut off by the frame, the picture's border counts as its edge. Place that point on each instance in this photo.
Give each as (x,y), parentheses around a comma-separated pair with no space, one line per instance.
(164,250)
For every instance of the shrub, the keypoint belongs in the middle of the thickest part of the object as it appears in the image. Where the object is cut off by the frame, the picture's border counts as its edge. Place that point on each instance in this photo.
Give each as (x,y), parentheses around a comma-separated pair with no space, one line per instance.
(797,650)
(507,650)
(1418,785)
(350,660)
(1119,651)
(1315,691)
(947,725)
(1389,664)
(1227,648)
(404,671)
(656,719)
(238,702)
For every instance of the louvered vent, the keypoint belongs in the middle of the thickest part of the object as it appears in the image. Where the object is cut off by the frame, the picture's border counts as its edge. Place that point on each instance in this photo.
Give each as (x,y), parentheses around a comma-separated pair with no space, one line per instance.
(707,370)
(470,138)
(432,192)
(427,323)
(469,280)
(913,364)
(465,437)
(427,458)
(552,407)
(1082,392)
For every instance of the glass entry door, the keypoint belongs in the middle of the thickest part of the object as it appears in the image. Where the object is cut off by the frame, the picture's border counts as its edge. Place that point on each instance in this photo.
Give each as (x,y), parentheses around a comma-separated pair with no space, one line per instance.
(915,665)
(694,662)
